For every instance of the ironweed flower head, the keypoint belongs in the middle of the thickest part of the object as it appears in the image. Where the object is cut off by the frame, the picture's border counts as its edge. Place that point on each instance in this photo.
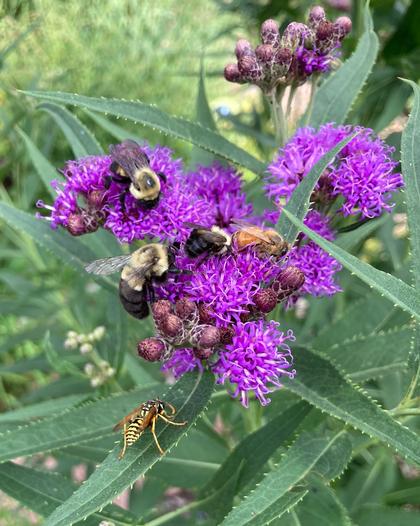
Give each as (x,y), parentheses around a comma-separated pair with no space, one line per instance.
(256,360)
(291,58)
(363,173)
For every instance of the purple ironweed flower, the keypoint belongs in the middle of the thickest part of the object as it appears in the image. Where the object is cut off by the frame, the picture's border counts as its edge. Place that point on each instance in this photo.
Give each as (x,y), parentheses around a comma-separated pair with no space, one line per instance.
(256,360)
(226,284)
(363,173)
(221,186)
(182,361)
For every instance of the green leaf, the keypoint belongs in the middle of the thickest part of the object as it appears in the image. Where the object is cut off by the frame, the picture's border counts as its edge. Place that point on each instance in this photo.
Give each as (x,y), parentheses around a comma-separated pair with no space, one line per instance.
(321,384)
(54,406)
(326,455)
(151,116)
(32,333)
(410,162)
(374,515)
(44,168)
(70,250)
(299,202)
(205,118)
(190,396)
(336,96)
(255,449)
(43,492)
(373,356)
(321,501)
(113,129)
(349,240)
(88,422)
(392,288)
(80,138)
(361,317)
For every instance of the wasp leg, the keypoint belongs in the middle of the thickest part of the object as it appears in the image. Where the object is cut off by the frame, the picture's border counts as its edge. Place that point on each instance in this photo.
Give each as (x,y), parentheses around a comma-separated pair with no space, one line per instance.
(170,421)
(155,437)
(171,407)
(122,453)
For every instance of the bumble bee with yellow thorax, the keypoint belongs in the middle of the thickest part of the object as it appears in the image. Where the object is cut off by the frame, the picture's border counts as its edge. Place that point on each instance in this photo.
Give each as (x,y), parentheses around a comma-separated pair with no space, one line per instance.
(131,167)
(209,241)
(144,416)
(150,263)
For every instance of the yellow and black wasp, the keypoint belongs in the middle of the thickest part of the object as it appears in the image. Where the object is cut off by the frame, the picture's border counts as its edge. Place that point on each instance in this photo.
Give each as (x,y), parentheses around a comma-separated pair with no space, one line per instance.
(142,417)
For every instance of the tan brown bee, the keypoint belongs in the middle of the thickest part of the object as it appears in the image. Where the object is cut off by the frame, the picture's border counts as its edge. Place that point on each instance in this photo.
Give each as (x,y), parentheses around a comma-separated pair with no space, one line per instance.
(203,240)
(267,242)
(148,264)
(131,167)
(142,417)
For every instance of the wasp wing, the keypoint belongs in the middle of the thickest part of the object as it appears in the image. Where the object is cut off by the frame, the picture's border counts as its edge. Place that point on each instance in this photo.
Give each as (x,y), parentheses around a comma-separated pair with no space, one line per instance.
(133,414)
(107,265)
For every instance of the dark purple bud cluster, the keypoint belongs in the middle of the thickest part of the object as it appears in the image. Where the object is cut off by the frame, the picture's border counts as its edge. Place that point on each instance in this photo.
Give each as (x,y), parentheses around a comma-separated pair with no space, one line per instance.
(290,58)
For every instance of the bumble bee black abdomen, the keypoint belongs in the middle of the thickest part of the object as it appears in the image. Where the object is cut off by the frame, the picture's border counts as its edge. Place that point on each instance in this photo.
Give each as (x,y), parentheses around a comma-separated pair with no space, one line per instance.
(133,301)
(196,245)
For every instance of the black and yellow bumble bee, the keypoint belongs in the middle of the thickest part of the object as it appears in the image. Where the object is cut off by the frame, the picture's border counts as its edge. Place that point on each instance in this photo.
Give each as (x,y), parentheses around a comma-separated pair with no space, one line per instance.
(210,241)
(150,263)
(131,167)
(142,417)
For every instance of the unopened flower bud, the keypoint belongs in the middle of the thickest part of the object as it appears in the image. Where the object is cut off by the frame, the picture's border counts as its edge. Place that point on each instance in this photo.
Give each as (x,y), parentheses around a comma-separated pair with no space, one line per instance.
(89,369)
(290,280)
(80,223)
(185,308)
(294,35)
(325,31)
(99,332)
(206,314)
(161,308)
(202,354)
(171,325)
(316,16)
(96,199)
(282,60)
(232,74)
(151,349)
(226,335)
(249,68)
(264,53)
(243,47)
(265,300)
(209,337)
(343,26)
(270,33)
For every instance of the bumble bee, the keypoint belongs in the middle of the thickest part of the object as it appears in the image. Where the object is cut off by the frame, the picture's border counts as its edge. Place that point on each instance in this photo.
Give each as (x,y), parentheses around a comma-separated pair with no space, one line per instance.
(266,242)
(144,416)
(204,240)
(131,167)
(140,269)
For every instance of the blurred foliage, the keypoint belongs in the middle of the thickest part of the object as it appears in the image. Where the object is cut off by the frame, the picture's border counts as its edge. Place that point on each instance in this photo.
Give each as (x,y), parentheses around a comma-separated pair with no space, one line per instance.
(151,51)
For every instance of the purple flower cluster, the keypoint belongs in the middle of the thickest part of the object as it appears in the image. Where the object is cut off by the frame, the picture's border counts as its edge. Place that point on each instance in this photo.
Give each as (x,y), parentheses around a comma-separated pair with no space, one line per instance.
(291,58)
(362,175)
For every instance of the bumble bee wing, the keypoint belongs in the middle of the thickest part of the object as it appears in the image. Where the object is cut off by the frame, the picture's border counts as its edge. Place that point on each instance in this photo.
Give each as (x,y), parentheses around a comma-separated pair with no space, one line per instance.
(213,237)
(134,413)
(129,155)
(107,265)
(195,226)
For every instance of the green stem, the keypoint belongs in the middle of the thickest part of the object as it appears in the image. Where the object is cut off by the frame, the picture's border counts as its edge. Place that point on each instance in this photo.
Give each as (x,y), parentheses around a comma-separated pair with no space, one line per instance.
(310,108)
(289,103)
(277,114)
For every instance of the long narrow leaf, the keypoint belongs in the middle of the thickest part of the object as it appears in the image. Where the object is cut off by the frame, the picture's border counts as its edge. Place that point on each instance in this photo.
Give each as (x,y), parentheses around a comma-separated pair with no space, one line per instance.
(151,116)
(321,384)
(338,93)
(80,138)
(327,455)
(392,288)
(300,200)
(43,492)
(190,396)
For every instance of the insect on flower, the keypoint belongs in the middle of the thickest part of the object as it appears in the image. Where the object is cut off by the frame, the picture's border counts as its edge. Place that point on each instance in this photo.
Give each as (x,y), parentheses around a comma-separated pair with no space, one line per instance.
(131,168)
(208,241)
(142,417)
(266,242)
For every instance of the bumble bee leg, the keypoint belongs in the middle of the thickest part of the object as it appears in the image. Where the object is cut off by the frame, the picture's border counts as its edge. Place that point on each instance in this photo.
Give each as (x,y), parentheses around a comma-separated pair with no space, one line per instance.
(122,453)
(162,177)
(150,293)
(170,421)
(155,437)
(122,200)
